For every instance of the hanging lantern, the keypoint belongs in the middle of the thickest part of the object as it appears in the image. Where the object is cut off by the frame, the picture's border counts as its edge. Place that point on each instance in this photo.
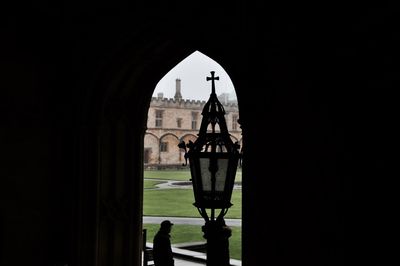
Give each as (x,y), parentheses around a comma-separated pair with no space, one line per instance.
(213,158)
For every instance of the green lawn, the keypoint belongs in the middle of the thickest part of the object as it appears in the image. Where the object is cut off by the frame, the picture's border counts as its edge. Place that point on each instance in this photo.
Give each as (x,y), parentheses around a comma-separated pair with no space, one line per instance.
(151,184)
(179,203)
(168,174)
(193,233)
(181,175)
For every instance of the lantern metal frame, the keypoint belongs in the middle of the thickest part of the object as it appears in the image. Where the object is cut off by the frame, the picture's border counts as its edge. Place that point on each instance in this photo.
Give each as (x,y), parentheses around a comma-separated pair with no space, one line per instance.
(214,147)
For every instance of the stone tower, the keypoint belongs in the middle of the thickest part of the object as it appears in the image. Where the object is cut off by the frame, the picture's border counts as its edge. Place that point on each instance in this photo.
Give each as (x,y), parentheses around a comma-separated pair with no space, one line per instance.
(178,95)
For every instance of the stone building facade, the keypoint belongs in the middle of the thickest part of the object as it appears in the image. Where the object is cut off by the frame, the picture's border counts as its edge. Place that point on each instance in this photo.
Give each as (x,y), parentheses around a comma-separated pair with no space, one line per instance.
(171,120)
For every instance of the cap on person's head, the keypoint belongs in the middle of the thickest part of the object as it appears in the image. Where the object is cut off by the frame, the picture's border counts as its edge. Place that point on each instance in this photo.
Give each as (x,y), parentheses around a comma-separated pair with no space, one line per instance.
(166,223)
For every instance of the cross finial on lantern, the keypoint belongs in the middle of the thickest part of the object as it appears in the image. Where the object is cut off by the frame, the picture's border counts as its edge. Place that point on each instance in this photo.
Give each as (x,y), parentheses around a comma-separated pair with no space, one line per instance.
(212,78)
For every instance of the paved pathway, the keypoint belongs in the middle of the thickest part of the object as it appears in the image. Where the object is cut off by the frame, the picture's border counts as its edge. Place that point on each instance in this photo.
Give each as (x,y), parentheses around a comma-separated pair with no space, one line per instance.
(170,184)
(186,220)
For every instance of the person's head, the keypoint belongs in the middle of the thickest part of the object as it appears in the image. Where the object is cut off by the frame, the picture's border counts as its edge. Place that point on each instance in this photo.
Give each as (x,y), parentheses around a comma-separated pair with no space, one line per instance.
(166,226)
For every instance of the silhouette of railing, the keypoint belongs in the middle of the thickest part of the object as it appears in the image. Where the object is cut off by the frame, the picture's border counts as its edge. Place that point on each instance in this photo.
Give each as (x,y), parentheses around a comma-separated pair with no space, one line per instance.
(147,251)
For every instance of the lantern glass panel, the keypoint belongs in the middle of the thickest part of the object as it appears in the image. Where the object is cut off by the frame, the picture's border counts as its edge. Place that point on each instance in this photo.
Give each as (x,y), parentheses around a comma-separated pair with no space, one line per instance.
(205,174)
(221,175)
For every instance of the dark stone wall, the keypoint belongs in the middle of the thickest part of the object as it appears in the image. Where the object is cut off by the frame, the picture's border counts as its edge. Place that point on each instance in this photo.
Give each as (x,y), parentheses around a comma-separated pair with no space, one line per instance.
(318,186)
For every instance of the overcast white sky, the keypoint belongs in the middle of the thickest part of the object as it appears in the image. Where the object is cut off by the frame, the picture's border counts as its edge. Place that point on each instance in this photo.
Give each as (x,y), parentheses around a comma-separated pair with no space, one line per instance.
(193,71)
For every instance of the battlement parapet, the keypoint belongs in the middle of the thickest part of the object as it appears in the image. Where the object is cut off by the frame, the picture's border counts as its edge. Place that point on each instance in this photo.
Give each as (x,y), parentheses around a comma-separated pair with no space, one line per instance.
(185,103)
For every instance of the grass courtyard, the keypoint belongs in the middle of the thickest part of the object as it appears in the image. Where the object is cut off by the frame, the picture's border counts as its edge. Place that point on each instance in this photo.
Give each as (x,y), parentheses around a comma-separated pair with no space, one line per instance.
(181,175)
(178,203)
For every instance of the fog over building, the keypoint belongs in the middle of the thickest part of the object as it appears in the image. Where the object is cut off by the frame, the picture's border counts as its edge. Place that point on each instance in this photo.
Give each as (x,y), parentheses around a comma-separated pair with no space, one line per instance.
(171,120)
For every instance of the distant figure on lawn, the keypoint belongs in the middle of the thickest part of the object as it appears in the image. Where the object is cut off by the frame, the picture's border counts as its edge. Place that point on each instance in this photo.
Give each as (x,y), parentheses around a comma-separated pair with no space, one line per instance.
(162,252)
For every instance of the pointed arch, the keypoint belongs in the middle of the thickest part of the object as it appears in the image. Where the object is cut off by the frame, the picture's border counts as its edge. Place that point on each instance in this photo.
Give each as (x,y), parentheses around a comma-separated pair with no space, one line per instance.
(120,84)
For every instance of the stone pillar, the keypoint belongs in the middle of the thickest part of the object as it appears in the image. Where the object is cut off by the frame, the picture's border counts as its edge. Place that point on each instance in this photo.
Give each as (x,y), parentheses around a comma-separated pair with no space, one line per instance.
(118,227)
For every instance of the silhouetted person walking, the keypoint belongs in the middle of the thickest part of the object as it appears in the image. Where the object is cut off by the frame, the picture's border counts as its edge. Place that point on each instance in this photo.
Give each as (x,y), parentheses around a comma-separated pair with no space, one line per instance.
(162,252)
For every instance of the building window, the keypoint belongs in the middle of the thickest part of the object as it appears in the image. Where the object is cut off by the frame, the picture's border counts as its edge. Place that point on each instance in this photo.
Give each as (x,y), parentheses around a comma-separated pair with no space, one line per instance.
(179,122)
(164,146)
(194,120)
(234,122)
(159,118)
